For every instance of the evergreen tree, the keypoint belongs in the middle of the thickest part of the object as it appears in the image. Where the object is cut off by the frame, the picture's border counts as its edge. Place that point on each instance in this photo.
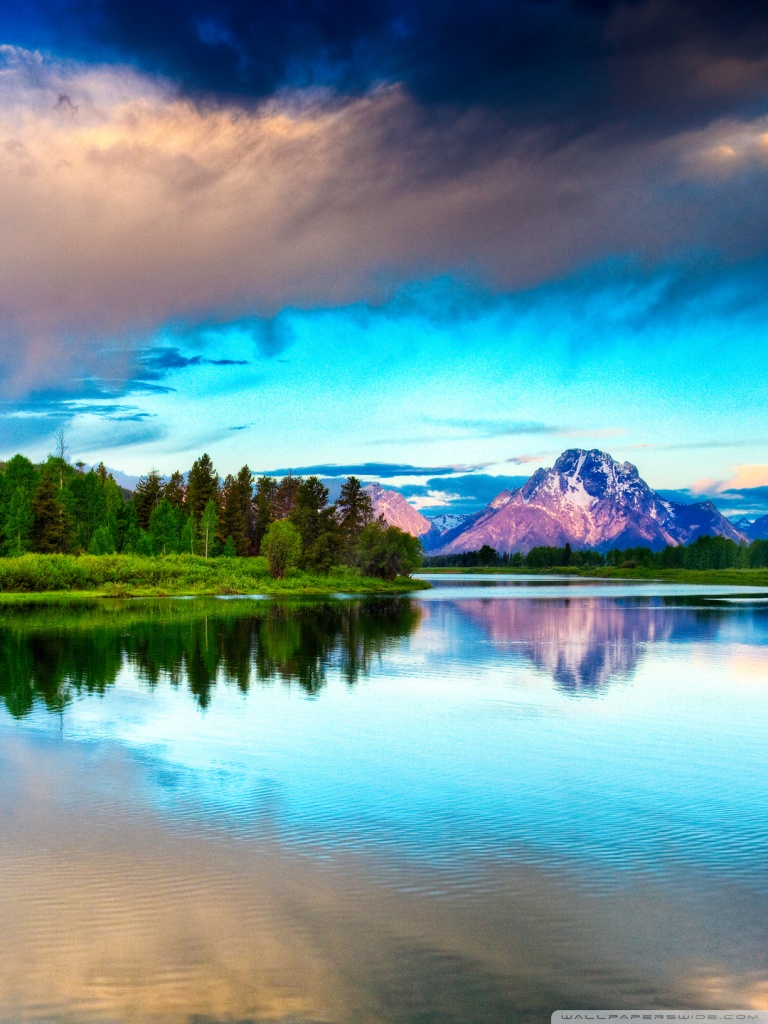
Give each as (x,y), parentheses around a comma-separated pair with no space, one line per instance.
(285,497)
(266,489)
(147,496)
(18,522)
(50,522)
(209,525)
(19,479)
(236,513)
(316,523)
(229,550)
(165,528)
(354,511)
(175,490)
(202,486)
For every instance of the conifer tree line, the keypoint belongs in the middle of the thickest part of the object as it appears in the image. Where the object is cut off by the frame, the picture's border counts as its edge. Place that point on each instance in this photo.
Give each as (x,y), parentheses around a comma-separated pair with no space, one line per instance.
(60,507)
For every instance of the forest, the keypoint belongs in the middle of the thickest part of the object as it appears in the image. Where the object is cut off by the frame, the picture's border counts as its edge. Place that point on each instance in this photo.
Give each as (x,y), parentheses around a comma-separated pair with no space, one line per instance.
(704,553)
(61,508)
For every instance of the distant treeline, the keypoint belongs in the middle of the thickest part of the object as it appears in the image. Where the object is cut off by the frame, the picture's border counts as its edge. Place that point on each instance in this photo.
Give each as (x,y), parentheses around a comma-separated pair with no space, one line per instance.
(704,553)
(58,507)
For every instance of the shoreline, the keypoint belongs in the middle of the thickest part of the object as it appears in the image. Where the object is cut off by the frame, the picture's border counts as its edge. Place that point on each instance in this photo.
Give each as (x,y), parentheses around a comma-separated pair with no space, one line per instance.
(702,577)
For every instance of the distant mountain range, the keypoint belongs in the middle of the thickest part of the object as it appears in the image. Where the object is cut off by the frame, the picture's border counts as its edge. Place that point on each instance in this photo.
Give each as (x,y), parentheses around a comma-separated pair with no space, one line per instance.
(587,500)
(753,529)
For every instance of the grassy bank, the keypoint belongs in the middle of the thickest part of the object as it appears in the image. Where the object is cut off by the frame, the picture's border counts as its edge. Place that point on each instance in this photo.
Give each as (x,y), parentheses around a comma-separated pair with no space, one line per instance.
(704,577)
(175,575)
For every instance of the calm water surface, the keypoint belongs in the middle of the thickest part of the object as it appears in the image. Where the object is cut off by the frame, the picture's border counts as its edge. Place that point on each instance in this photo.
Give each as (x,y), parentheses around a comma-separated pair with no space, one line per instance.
(498,798)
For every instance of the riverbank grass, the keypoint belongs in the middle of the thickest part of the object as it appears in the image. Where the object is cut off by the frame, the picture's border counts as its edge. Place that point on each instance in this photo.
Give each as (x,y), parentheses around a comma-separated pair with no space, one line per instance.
(177,576)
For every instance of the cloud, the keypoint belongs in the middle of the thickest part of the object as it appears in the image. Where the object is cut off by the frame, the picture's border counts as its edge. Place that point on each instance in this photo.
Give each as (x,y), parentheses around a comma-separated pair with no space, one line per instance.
(375,470)
(129,207)
(464,493)
(487,428)
(157,362)
(647,67)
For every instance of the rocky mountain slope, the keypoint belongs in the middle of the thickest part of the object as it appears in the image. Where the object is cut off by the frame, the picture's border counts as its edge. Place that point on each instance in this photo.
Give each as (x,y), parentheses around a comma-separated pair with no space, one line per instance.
(587,500)
(397,511)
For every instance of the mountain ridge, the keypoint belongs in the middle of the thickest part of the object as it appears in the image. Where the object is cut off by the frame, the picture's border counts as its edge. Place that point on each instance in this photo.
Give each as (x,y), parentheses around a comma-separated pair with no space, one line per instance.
(587,499)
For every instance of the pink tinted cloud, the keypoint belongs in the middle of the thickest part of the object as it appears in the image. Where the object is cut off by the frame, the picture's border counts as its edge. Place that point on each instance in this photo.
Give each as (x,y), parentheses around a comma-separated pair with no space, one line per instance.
(124,209)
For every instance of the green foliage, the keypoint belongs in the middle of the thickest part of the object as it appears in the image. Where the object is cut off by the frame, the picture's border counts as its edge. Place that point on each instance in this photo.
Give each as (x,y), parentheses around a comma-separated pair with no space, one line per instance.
(236,510)
(147,496)
(102,542)
(229,550)
(189,537)
(209,526)
(165,526)
(387,552)
(266,489)
(282,547)
(317,525)
(51,528)
(354,511)
(202,487)
(18,522)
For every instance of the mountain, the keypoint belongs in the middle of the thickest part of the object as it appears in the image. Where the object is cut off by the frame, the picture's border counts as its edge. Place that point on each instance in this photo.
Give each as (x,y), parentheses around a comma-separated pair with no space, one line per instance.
(448,521)
(758,530)
(587,500)
(742,523)
(397,511)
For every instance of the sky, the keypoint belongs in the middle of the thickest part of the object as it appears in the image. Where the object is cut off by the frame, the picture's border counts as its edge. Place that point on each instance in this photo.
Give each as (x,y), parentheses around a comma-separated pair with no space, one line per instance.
(428,242)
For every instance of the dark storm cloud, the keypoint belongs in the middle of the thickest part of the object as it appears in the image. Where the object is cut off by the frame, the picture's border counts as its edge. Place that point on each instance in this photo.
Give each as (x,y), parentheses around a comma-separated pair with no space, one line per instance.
(652,63)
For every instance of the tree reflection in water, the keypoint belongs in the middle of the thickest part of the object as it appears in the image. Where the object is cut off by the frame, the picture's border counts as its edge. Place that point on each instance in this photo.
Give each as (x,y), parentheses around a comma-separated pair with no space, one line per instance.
(50,654)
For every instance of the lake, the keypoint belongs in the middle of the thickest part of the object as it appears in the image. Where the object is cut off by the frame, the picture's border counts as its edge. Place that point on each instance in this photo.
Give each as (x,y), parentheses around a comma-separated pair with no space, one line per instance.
(492,800)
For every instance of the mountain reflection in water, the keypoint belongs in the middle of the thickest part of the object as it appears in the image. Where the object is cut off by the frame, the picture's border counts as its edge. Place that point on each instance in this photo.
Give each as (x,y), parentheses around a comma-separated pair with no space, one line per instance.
(584,645)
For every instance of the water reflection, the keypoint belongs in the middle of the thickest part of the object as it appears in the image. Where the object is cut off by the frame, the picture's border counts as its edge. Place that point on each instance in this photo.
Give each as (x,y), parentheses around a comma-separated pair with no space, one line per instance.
(460,840)
(50,654)
(585,645)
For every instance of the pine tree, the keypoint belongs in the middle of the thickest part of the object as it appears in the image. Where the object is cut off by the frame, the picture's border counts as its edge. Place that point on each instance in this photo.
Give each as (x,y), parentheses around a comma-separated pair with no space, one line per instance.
(50,522)
(354,511)
(266,488)
(147,496)
(229,550)
(175,490)
(317,525)
(285,497)
(236,510)
(202,486)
